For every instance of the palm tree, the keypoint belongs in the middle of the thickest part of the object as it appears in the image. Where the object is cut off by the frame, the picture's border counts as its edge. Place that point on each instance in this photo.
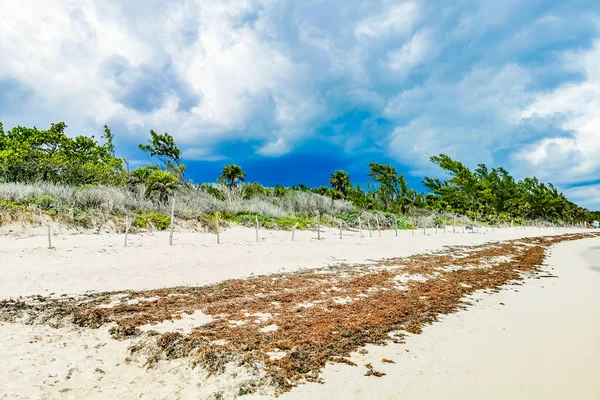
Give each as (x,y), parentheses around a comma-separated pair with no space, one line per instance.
(161,184)
(233,173)
(340,181)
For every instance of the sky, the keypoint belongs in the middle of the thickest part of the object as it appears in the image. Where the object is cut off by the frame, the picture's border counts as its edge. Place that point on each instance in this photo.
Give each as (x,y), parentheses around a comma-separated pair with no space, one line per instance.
(293,90)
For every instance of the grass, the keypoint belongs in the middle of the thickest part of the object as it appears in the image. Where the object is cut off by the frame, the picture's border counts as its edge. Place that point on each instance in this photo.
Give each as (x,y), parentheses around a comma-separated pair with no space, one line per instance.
(81,203)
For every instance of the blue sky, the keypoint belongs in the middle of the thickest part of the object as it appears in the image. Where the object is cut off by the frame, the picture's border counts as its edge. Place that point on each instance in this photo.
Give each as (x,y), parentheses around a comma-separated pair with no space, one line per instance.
(292,90)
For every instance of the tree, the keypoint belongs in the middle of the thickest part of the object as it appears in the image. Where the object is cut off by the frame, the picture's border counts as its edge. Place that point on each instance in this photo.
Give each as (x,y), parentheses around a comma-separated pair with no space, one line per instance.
(340,181)
(233,173)
(163,148)
(109,137)
(31,155)
(161,184)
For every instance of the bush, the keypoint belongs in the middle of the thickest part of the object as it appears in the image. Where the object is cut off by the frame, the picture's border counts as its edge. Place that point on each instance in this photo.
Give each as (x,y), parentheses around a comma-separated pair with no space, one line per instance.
(45,202)
(158,220)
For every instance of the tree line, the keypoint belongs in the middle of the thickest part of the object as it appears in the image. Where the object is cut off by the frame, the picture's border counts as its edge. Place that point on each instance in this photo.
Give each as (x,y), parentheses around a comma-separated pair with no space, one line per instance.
(30,155)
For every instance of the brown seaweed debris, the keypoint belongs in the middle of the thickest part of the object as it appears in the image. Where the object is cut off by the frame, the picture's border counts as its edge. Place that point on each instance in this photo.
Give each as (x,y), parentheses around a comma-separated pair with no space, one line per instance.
(308,317)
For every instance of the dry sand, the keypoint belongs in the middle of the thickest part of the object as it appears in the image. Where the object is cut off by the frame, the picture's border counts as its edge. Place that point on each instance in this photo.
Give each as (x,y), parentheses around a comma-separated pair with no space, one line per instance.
(540,344)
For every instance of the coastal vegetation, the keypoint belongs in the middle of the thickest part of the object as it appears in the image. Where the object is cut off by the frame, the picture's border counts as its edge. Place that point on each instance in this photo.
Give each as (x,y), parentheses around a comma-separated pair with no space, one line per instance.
(80,178)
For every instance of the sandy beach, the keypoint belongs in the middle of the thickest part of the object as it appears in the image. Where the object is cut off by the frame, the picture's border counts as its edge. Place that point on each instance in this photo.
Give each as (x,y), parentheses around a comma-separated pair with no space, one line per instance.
(535,340)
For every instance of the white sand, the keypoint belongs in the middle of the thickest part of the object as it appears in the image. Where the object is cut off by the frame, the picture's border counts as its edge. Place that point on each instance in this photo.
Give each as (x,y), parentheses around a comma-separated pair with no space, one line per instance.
(100,263)
(540,342)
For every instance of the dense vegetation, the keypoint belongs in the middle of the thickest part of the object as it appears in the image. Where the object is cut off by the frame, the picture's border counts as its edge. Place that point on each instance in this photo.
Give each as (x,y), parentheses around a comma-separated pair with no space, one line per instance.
(74,175)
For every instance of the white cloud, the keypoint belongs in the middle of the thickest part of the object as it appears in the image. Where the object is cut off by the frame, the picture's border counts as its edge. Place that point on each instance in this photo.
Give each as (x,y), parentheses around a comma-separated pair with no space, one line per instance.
(573,157)
(467,120)
(399,19)
(587,196)
(418,50)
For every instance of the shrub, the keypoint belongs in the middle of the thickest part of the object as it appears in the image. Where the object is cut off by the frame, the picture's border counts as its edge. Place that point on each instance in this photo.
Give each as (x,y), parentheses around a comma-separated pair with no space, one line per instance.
(158,220)
(45,202)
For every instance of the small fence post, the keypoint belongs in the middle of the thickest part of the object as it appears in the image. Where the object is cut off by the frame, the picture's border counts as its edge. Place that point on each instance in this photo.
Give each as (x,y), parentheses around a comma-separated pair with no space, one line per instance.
(294,231)
(360,227)
(340,228)
(49,238)
(319,227)
(369,228)
(377,222)
(126,230)
(217,223)
(256,216)
(172,221)
(396,224)
(454,224)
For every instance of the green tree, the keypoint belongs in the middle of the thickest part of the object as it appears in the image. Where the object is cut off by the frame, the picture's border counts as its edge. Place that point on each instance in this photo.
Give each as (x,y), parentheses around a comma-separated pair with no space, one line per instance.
(161,184)
(31,155)
(340,181)
(232,174)
(163,148)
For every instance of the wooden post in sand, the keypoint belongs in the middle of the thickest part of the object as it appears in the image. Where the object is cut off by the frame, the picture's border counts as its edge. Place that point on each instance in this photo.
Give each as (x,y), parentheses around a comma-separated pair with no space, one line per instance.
(377,222)
(340,228)
(319,227)
(360,227)
(294,231)
(454,224)
(127,225)
(172,221)
(217,226)
(49,237)
(256,216)
(369,228)
(396,225)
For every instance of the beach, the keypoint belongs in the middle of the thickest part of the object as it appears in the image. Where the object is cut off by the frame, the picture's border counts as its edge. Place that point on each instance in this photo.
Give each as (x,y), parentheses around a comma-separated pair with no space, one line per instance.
(534,340)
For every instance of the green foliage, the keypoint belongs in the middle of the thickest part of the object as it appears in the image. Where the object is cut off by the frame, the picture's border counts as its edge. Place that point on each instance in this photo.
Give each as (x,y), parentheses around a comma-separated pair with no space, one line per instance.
(493,195)
(45,202)
(11,206)
(253,189)
(340,181)
(160,185)
(287,223)
(162,147)
(158,220)
(232,174)
(32,155)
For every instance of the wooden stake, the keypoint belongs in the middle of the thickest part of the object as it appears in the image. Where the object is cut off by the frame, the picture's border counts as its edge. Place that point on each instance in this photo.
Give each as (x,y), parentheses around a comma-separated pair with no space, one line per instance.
(217,222)
(454,225)
(294,231)
(396,224)
(172,221)
(49,238)
(360,227)
(369,227)
(319,227)
(126,230)
(256,227)
(340,228)
(377,222)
